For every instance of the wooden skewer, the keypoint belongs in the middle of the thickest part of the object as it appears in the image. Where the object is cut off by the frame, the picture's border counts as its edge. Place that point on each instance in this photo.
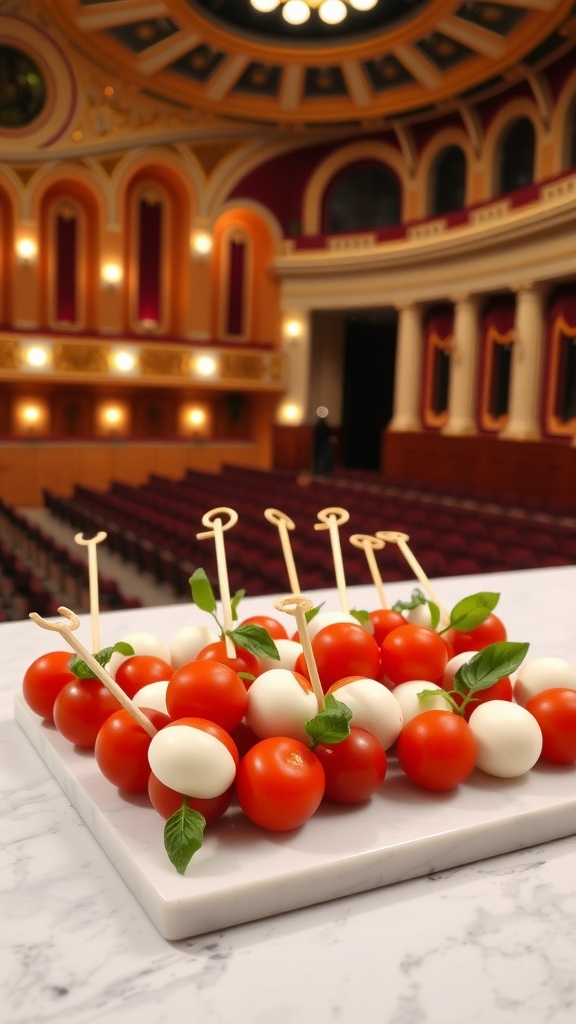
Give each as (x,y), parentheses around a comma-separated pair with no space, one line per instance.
(213,518)
(369,544)
(297,605)
(91,544)
(65,629)
(331,519)
(284,523)
(401,539)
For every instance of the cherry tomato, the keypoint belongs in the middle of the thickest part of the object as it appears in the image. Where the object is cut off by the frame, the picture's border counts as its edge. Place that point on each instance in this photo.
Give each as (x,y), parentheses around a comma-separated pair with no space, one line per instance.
(279,783)
(167,801)
(491,631)
(272,626)
(342,649)
(555,712)
(413,652)
(244,663)
(437,750)
(384,621)
(354,768)
(44,679)
(140,669)
(121,749)
(207,689)
(81,708)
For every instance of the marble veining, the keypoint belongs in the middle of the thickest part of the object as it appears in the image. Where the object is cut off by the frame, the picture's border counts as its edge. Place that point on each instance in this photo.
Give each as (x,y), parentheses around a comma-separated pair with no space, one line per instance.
(490,942)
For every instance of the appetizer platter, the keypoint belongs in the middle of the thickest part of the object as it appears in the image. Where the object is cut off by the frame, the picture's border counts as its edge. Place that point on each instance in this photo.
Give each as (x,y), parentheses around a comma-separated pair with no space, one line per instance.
(325,751)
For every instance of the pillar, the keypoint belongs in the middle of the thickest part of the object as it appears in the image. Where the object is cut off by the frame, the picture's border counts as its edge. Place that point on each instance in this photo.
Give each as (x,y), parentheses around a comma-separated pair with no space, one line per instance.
(526,372)
(409,370)
(463,384)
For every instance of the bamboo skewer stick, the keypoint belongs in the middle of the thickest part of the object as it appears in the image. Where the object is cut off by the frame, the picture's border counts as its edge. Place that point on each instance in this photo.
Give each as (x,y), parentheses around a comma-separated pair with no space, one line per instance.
(401,539)
(213,518)
(91,543)
(297,605)
(284,524)
(331,519)
(65,629)
(369,544)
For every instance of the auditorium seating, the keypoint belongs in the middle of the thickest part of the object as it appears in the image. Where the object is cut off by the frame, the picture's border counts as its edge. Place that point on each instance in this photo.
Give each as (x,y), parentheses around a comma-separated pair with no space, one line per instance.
(155,525)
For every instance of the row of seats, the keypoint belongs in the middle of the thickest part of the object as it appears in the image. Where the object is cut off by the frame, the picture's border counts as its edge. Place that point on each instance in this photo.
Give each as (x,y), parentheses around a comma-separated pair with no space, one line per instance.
(155,527)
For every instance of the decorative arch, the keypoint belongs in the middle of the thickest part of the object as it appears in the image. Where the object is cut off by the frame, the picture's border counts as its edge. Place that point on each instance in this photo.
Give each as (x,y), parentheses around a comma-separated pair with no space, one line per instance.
(563,127)
(495,135)
(359,152)
(439,143)
(365,196)
(245,296)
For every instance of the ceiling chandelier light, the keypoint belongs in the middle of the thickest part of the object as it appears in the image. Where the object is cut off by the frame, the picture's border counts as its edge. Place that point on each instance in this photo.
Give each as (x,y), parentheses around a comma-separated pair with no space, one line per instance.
(297,12)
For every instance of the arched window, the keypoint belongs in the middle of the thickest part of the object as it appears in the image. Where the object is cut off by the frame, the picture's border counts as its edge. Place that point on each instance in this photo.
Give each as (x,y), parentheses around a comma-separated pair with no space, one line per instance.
(438,338)
(150,220)
(448,184)
(517,156)
(237,282)
(362,197)
(66,245)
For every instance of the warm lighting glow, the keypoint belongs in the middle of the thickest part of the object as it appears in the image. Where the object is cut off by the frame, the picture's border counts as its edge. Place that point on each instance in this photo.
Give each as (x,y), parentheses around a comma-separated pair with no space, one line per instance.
(124,361)
(205,366)
(112,273)
(297,12)
(26,250)
(36,356)
(31,414)
(290,412)
(202,243)
(196,417)
(112,415)
(293,328)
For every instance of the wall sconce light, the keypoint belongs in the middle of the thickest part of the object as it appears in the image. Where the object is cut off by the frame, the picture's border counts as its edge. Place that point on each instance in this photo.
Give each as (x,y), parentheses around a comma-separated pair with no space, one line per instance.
(204,366)
(123,361)
(31,415)
(37,357)
(290,413)
(26,251)
(202,244)
(293,329)
(111,274)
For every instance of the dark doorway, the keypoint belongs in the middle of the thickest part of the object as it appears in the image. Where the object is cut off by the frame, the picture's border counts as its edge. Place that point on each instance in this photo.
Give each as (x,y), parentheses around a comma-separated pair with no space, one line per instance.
(368,387)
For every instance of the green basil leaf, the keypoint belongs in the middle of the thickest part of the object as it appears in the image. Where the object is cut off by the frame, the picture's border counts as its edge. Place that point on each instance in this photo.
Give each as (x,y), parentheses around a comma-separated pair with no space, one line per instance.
(313,612)
(235,601)
(202,593)
(434,614)
(360,615)
(81,670)
(183,835)
(417,598)
(472,611)
(254,639)
(332,724)
(489,665)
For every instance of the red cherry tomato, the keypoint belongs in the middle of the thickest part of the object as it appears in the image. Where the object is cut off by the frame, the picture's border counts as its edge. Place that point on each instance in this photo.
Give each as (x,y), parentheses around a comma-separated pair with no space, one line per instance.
(81,708)
(354,768)
(121,749)
(139,670)
(244,663)
(342,649)
(44,679)
(413,652)
(555,712)
(207,689)
(502,690)
(279,783)
(437,749)
(491,631)
(384,621)
(167,801)
(272,626)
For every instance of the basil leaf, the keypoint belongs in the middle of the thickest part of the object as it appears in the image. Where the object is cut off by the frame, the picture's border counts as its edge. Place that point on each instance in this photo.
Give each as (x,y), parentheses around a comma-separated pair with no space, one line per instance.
(332,724)
(361,616)
(472,611)
(235,601)
(183,835)
(417,598)
(202,593)
(489,665)
(313,612)
(81,670)
(254,639)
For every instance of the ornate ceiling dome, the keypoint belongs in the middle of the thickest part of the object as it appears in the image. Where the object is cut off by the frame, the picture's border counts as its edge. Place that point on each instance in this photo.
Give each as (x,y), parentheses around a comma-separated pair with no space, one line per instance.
(401,60)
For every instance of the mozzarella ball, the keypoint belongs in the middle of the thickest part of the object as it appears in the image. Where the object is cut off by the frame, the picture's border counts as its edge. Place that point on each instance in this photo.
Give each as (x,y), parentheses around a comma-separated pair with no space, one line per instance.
(153,695)
(191,761)
(322,619)
(543,674)
(373,708)
(187,642)
(508,737)
(289,651)
(452,667)
(407,696)
(142,643)
(420,616)
(280,702)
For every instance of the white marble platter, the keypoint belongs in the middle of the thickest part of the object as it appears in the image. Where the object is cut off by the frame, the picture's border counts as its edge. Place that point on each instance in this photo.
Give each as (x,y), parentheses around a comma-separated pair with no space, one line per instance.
(243,873)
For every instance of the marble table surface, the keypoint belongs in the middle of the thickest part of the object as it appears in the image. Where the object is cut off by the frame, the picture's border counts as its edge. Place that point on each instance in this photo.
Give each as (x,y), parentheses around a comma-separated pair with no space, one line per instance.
(490,942)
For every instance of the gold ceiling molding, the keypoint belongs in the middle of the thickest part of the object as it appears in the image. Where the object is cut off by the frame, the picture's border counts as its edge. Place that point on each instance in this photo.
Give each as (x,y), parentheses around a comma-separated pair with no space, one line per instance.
(210,154)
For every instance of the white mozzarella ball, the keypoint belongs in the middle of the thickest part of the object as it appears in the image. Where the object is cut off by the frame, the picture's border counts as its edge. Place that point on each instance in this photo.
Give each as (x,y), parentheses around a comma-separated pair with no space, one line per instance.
(543,674)
(153,695)
(289,651)
(373,708)
(322,619)
(187,642)
(407,696)
(191,761)
(508,737)
(141,643)
(452,667)
(421,616)
(278,705)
